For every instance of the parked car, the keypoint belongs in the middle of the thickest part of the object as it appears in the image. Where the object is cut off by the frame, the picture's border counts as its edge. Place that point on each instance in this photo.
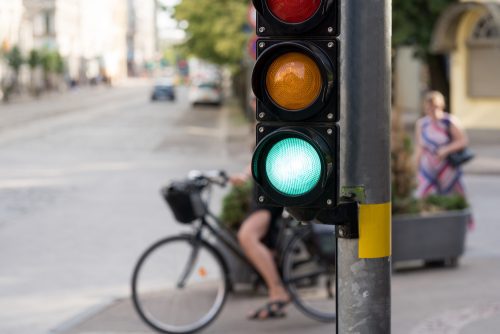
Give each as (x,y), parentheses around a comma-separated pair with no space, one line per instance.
(163,89)
(205,92)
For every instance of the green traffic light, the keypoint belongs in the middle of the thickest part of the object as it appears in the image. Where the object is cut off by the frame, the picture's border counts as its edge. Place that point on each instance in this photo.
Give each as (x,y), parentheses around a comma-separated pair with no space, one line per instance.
(293,167)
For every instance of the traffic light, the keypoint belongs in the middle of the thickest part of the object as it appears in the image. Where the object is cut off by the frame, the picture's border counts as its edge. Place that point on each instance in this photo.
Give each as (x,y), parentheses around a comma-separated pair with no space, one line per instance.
(296,82)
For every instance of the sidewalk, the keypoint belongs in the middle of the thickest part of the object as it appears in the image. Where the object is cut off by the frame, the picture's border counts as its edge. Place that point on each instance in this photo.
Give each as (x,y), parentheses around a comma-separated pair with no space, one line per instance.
(424,301)
(119,317)
(26,108)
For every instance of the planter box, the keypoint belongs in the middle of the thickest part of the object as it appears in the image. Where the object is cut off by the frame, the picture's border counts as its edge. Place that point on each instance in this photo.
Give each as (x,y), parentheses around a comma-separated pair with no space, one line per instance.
(433,238)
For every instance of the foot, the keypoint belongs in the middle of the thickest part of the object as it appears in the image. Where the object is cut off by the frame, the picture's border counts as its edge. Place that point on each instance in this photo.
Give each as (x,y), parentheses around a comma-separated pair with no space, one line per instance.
(271,310)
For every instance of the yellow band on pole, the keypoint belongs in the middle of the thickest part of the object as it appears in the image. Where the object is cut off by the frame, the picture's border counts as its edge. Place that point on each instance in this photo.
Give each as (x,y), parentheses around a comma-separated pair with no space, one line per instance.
(374,231)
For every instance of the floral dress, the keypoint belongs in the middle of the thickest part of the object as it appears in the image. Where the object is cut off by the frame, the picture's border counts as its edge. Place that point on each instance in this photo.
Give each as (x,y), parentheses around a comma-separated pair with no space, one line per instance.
(436,176)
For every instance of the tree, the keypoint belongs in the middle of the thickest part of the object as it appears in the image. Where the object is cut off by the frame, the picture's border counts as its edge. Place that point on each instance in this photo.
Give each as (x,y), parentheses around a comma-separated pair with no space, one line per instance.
(34,60)
(53,65)
(216,29)
(413,24)
(14,60)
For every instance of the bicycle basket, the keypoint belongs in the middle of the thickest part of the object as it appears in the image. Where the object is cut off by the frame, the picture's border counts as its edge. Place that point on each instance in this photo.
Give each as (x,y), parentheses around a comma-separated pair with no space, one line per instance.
(184,199)
(324,240)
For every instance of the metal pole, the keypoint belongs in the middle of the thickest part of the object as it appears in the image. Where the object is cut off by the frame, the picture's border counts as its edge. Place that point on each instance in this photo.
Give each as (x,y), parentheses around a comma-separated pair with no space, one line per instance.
(364,264)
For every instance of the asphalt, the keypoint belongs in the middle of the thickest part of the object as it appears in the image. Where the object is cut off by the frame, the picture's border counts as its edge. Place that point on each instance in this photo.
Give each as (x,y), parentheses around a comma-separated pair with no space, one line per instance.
(463,300)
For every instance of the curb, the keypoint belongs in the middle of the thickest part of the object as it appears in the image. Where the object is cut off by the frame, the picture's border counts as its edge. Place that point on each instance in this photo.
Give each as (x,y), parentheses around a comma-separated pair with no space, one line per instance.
(84,315)
(234,126)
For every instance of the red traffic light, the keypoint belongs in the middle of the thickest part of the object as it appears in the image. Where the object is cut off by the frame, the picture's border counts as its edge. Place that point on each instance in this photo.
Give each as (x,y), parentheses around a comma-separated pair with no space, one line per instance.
(293,11)
(317,18)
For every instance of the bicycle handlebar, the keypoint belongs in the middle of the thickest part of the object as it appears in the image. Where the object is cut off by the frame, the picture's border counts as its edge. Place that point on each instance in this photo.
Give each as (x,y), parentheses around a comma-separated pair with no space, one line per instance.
(217,177)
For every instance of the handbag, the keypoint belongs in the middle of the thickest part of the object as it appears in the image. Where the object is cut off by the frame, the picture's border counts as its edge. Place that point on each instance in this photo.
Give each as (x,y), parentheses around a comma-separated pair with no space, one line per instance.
(459,158)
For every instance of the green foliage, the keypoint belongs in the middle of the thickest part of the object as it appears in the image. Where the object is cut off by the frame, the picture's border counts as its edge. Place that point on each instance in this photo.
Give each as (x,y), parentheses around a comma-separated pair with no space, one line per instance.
(14,59)
(215,29)
(444,203)
(236,205)
(52,62)
(34,59)
(407,205)
(413,22)
(431,204)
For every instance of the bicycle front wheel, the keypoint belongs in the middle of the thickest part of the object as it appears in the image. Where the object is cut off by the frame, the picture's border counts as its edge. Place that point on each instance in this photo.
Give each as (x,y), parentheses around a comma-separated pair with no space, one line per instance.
(179,285)
(309,277)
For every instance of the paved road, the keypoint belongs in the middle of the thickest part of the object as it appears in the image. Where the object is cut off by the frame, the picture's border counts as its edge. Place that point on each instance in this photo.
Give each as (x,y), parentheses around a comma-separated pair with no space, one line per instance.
(79,179)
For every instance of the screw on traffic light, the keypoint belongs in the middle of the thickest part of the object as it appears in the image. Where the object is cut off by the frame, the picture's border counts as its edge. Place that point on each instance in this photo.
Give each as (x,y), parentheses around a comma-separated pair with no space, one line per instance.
(296,82)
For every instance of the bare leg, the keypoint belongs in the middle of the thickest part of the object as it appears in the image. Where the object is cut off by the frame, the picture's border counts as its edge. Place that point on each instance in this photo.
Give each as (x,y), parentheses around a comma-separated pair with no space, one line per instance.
(253,229)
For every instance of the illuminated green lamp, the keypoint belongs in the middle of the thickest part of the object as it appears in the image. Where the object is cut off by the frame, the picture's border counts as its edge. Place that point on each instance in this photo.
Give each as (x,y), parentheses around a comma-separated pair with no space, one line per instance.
(293,167)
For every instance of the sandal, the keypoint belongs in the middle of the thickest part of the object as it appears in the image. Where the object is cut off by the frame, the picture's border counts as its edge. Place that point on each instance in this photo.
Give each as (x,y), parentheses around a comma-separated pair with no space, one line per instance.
(272,310)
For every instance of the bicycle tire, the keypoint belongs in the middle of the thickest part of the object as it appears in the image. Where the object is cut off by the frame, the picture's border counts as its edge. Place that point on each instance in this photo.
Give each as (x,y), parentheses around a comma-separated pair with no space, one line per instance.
(143,294)
(302,283)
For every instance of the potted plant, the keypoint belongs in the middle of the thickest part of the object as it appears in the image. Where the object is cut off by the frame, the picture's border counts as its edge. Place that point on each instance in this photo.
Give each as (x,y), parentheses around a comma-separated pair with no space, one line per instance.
(433,229)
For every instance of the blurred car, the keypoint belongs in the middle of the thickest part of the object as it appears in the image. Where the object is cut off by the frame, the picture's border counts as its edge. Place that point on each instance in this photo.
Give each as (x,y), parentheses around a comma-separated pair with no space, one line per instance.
(205,92)
(163,89)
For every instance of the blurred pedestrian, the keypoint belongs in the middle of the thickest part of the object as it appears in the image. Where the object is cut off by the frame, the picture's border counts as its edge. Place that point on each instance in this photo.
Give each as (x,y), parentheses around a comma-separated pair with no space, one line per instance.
(438,134)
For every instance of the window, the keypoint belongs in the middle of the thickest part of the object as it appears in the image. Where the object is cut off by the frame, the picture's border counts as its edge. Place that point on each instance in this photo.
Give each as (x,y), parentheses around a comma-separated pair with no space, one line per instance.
(49,22)
(484,59)
(485,30)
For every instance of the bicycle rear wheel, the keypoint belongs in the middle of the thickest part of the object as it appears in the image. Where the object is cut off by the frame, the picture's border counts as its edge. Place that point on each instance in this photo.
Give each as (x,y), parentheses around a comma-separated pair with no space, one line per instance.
(309,277)
(179,285)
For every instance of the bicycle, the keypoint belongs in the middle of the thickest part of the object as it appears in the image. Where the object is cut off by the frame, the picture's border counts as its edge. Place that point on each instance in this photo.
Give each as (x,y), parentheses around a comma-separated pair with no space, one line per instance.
(180,283)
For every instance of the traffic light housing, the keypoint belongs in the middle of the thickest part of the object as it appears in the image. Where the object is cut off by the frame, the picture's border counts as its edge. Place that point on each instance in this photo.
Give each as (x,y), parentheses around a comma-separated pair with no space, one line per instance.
(280,97)
(294,165)
(311,18)
(296,83)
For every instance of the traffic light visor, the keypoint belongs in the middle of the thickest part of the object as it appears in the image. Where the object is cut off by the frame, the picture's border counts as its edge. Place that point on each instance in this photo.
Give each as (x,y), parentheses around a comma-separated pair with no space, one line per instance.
(293,11)
(293,166)
(293,81)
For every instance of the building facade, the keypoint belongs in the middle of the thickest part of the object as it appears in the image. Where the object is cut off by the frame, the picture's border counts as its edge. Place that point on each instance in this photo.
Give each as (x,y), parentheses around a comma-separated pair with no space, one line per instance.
(103,38)
(11,14)
(469,32)
(90,35)
(142,36)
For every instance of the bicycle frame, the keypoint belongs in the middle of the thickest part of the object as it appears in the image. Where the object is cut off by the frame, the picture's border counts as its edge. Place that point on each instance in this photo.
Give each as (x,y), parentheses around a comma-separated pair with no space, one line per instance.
(223,234)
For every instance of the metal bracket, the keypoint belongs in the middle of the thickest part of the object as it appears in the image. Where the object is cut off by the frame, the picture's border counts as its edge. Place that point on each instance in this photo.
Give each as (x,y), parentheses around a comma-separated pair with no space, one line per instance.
(345,215)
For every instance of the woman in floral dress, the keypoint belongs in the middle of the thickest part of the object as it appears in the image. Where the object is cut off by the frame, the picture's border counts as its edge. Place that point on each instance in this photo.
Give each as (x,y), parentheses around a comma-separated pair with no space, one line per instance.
(438,134)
